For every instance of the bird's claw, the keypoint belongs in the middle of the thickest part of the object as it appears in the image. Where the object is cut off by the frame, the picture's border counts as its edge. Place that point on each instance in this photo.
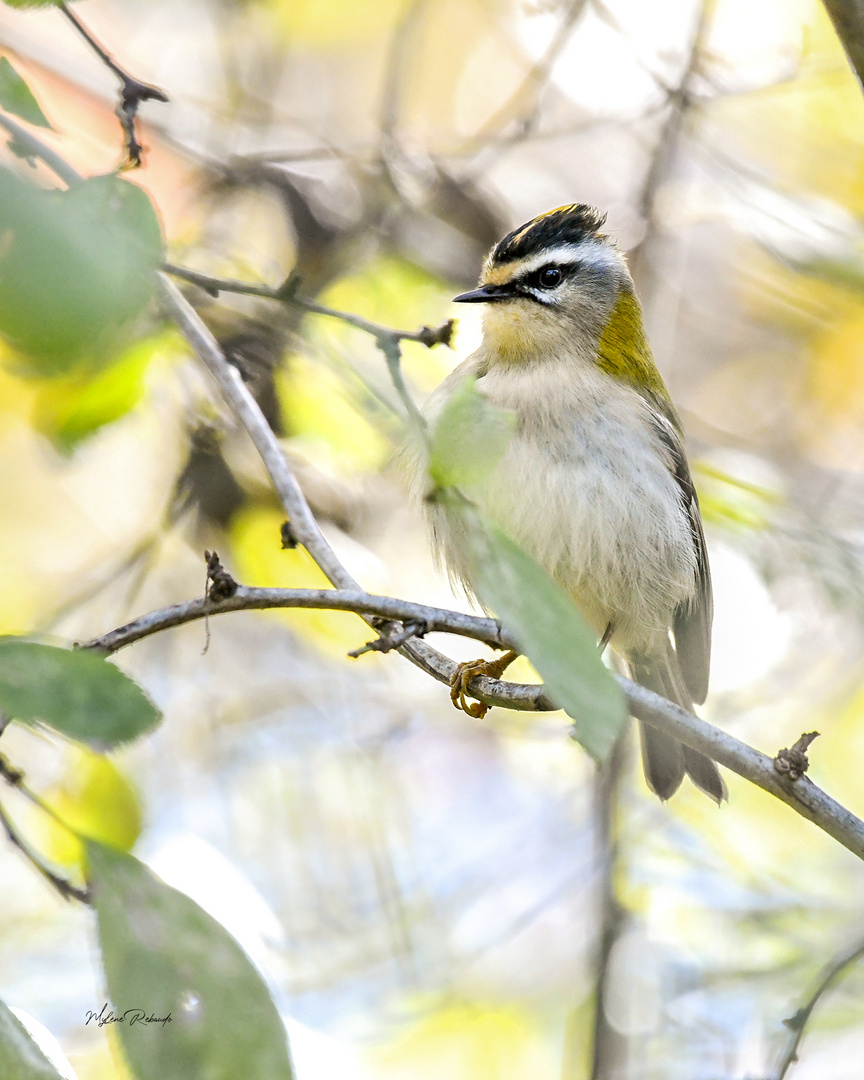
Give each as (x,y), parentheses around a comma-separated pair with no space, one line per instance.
(465,672)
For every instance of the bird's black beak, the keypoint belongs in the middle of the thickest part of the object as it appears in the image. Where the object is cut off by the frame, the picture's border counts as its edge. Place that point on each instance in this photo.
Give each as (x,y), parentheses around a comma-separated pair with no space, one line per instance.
(486,294)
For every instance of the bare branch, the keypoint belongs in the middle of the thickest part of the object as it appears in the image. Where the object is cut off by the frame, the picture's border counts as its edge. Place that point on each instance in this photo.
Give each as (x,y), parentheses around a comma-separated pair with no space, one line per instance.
(431,619)
(802,795)
(798,1022)
(248,412)
(387,339)
(15,779)
(394,72)
(35,147)
(608,1045)
(526,98)
(848,19)
(430,336)
(132,90)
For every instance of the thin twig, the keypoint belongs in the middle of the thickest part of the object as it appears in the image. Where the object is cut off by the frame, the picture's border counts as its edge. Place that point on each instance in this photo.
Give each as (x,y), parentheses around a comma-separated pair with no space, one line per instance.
(394,72)
(802,795)
(34,145)
(247,410)
(433,620)
(535,80)
(284,293)
(798,1022)
(387,339)
(679,102)
(63,886)
(132,91)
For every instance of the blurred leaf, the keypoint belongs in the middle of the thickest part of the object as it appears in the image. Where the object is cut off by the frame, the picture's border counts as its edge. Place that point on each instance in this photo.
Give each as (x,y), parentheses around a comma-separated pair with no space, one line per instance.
(96,800)
(467,1041)
(550,630)
(320,412)
(165,956)
(727,500)
(259,560)
(395,292)
(469,438)
(77,693)
(71,408)
(17,98)
(20,1057)
(336,23)
(76,267)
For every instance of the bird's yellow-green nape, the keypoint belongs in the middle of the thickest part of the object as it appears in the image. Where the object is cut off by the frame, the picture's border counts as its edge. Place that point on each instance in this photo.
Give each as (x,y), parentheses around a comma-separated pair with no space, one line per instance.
(563,225)
(623,350)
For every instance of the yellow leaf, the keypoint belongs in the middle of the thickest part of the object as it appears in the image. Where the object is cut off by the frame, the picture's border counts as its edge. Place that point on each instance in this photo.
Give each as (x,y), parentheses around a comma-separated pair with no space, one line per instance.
(96,799)
(468,1041)
(335,23)
(260,560)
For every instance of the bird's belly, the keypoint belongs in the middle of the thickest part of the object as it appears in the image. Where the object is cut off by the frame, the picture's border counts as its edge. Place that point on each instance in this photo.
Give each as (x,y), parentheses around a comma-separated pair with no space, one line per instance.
(598,507)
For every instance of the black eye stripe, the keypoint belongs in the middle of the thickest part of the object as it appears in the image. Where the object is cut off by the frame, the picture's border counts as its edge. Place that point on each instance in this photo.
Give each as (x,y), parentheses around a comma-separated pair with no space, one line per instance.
(549,276)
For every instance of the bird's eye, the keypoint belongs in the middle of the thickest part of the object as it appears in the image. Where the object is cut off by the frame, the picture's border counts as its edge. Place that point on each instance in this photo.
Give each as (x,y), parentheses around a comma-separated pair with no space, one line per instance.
(549,277)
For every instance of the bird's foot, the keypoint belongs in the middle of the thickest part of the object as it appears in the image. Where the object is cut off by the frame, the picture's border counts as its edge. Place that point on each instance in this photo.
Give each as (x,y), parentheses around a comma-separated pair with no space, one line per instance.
(464,673)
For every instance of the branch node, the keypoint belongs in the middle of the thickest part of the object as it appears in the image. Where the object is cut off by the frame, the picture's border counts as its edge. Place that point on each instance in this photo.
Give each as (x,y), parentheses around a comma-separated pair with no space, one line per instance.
(287,291)
(13,777)
(393,635)
(793,761)
(223,585)
(430,336)
(290,540)
(132,92)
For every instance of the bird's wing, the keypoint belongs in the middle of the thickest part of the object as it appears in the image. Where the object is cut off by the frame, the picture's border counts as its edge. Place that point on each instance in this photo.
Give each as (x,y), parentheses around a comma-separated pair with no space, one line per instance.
(692,626)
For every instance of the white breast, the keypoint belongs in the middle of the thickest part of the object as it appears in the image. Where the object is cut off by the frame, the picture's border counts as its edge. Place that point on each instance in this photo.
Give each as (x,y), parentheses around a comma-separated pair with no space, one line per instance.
(586,488)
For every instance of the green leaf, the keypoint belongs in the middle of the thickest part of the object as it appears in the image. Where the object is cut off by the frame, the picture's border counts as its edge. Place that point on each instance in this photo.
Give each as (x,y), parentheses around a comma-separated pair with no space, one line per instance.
(469,439)
(550,630)
(16,97)
(77,693)
(76,269)
(20,1057)
(165,956)
(32,3)
(70,408)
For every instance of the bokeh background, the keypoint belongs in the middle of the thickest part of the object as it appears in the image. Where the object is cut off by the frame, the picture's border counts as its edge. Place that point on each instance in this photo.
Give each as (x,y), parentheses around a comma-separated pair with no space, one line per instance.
(430,895)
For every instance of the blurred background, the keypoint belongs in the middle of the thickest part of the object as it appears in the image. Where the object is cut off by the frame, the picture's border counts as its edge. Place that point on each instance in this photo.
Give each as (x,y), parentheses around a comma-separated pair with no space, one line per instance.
(427,894)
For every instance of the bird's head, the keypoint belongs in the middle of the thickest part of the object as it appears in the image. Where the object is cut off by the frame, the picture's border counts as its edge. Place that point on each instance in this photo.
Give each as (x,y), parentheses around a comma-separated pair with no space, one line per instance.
(558,286)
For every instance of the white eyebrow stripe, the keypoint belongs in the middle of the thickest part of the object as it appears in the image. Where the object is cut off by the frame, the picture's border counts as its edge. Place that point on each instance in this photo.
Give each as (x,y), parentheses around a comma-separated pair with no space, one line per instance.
(589,252)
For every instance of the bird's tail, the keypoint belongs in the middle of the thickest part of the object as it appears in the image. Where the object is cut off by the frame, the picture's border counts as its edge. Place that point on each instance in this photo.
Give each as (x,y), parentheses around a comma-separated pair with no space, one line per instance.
(664,759)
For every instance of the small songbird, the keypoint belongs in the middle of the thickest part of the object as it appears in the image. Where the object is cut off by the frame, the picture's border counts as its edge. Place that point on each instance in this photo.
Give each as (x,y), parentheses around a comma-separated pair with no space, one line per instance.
(594,483)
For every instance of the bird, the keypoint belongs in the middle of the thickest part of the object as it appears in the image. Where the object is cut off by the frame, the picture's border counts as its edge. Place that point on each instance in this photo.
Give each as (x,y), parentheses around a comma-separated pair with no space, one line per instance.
(594,483)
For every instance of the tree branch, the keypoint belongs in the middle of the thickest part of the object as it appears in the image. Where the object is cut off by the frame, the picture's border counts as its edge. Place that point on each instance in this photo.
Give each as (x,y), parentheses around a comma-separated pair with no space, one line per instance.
(132,91)
(535,81)
(286,294)
(387,339)
(434,620)
(802,795)
(34,145)
(15,779)
(798,1022)
(848,19)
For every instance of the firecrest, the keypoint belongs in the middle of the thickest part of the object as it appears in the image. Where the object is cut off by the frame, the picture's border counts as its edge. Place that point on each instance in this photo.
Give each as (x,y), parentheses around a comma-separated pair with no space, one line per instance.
(594,483)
